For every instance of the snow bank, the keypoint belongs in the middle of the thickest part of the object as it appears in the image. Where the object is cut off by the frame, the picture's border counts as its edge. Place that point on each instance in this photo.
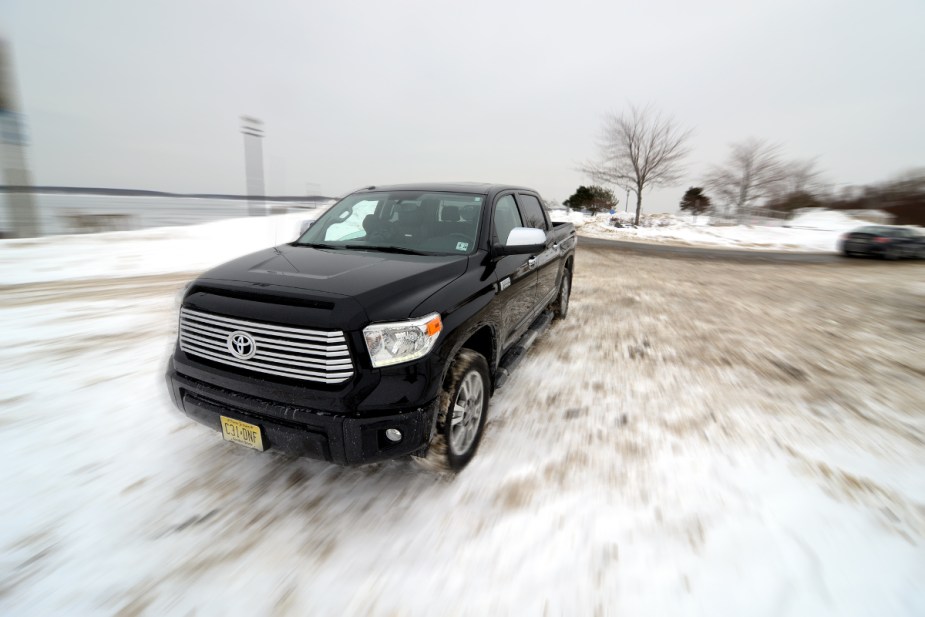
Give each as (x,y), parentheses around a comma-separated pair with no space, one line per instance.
(195,248)
(144,252)
(815,231)
(568,216)
(825,220)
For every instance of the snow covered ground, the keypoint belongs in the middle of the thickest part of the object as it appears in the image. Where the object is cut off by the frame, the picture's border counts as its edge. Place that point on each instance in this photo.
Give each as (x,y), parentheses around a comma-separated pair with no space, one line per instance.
(696,439)
(815,231)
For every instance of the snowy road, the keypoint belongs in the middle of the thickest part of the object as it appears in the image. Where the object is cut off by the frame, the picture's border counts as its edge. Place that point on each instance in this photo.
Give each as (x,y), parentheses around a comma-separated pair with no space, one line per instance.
(697,439)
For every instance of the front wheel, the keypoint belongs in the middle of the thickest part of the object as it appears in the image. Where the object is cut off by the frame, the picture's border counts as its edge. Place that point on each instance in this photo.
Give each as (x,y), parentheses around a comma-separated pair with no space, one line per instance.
(462,414)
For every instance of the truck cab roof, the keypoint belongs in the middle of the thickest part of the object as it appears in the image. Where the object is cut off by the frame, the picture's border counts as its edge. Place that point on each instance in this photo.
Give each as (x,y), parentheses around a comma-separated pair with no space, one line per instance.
(475,188)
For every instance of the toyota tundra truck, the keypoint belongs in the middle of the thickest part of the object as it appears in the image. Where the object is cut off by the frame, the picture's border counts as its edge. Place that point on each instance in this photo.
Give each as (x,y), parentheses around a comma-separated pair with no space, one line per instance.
(382,331)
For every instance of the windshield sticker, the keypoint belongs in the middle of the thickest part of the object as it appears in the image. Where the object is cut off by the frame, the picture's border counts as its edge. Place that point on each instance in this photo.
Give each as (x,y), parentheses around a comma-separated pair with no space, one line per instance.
(462,246)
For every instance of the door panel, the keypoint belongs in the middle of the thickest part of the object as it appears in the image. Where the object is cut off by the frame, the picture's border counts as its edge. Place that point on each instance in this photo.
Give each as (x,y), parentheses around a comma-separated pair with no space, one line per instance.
(547,262)
(516,278)
(517,292)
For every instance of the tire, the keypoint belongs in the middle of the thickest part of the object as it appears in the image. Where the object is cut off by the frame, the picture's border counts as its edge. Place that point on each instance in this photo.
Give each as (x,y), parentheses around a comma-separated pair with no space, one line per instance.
(560,305)
(462,413)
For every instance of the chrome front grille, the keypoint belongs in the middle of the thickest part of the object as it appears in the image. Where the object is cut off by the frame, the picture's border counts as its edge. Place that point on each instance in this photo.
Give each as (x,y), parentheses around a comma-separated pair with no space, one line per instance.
(297,353)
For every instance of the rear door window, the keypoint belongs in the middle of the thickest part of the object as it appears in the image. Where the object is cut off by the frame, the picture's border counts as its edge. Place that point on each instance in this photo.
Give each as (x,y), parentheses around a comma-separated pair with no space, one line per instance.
(506,217)
(532,211)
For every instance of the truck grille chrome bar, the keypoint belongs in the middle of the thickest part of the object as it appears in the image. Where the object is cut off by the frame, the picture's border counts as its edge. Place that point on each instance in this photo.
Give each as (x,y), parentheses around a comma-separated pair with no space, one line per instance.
(297,353)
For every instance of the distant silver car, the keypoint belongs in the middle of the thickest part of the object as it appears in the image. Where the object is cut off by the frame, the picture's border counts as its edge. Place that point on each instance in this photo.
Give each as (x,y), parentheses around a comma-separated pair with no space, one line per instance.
(886,241)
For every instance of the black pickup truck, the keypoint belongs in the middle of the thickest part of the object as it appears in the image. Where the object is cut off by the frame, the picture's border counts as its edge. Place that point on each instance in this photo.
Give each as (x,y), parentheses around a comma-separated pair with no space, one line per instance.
(382,331)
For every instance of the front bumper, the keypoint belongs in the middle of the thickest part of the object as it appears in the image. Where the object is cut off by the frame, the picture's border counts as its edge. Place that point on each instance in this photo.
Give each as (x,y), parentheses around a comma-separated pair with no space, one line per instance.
(344,439)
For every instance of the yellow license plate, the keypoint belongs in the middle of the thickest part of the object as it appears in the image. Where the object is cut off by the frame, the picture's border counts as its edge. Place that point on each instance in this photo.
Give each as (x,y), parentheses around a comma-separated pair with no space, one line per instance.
(242,433)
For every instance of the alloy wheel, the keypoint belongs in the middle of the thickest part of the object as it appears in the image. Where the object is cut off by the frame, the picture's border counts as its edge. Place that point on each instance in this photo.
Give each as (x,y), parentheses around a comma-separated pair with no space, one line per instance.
(467,412)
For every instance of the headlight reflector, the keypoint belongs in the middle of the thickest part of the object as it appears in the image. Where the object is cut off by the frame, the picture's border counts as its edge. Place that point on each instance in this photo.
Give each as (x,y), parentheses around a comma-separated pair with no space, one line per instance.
(402,341)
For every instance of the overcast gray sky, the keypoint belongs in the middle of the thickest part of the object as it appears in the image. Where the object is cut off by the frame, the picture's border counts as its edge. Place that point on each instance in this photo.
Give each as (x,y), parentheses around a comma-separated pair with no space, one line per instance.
(131,94)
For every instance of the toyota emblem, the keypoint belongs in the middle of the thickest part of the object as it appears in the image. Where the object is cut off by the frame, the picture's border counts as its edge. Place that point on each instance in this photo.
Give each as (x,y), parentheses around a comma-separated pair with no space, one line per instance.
(241,345)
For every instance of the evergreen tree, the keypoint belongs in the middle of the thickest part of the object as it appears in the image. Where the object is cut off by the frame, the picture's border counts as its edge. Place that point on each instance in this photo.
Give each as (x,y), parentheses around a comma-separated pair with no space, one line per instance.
(695,201)
(593,198)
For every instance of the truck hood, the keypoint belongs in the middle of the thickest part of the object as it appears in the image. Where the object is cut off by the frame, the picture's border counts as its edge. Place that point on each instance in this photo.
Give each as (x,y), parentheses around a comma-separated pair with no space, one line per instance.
(387,286)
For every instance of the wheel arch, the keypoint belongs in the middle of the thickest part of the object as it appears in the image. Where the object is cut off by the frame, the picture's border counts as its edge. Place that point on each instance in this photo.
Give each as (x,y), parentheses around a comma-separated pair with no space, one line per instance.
(482,341)
(566,268)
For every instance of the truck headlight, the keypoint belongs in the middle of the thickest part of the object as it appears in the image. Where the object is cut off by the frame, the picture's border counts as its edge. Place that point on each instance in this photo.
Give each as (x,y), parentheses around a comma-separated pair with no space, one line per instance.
(402,341)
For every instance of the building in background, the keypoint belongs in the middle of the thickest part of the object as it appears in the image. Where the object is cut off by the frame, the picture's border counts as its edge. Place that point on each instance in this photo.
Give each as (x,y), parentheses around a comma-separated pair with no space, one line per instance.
(21,218)
(253,164)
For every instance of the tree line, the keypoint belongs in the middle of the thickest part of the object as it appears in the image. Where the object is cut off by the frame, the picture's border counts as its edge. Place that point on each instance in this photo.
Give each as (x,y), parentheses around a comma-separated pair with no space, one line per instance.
(643,148)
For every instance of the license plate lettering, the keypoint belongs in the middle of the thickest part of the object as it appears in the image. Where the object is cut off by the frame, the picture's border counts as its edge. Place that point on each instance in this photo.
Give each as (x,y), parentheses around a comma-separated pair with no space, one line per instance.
(242,433)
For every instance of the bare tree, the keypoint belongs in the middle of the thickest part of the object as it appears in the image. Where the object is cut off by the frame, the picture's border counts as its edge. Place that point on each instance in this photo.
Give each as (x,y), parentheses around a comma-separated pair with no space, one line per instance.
(800,187)
(640,149)
(802,176)
(752,172)
(551,204)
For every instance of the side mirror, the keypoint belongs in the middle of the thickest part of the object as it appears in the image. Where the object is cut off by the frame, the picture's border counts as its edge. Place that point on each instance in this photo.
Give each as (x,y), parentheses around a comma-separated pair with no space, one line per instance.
(523,241)
(304,225)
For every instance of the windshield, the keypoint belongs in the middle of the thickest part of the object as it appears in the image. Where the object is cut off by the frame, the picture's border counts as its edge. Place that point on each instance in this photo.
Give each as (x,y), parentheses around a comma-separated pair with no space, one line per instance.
(429,223)
(875,230)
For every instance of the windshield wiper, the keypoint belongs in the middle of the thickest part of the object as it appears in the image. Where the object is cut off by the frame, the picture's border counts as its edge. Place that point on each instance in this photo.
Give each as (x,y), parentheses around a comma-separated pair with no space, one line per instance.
(320,245)
(386,249)
(363,247)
